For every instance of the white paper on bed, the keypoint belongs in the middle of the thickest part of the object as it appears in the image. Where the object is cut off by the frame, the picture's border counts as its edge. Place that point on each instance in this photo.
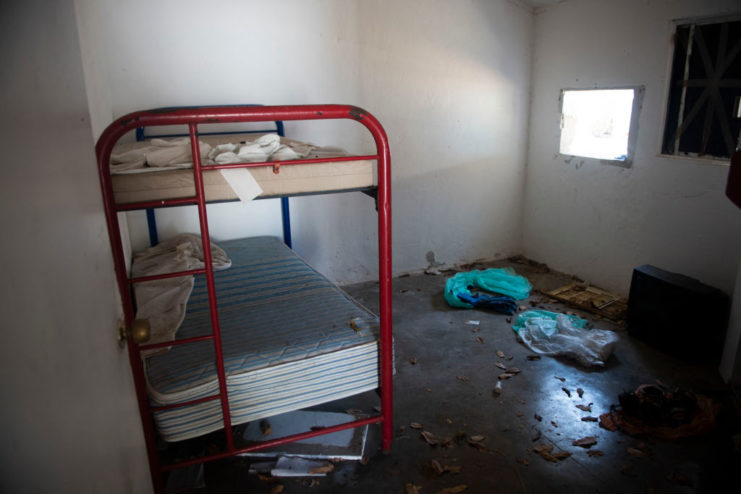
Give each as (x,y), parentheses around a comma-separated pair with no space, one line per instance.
(242,183)
(163,302)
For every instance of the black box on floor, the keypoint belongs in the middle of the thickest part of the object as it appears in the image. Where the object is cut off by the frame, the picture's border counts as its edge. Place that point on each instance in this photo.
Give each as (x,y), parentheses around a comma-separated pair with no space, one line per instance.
(677,314)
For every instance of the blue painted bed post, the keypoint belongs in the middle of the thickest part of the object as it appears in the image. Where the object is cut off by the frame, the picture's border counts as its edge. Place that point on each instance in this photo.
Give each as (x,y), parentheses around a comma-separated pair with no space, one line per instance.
(285,210)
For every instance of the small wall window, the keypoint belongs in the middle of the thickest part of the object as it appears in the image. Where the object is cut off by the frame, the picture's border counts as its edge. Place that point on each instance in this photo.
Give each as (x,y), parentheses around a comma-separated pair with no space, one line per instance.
(703,116)
(600,123)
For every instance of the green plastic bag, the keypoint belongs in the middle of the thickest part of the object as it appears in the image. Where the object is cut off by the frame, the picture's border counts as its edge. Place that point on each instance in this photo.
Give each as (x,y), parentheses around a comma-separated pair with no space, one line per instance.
(504,281)
(545,321)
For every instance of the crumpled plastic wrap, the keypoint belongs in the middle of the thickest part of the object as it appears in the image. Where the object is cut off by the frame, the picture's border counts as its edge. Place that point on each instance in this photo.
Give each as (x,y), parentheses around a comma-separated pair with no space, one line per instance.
(552,334)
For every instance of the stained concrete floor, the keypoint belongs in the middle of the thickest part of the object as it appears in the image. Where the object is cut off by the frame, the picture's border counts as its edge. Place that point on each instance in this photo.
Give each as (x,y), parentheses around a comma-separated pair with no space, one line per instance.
(449,390)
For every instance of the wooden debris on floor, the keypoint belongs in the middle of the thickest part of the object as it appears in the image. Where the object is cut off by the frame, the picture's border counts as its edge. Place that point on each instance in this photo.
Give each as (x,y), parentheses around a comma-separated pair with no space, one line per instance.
(592,299)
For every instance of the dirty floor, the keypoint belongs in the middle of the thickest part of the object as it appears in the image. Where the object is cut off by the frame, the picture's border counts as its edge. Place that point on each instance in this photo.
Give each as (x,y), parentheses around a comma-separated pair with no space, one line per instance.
(445,379)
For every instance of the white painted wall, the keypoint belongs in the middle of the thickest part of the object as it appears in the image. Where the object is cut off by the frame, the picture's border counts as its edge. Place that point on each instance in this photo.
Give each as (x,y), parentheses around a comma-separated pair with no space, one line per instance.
(600,221)
(70,422)
(448,80)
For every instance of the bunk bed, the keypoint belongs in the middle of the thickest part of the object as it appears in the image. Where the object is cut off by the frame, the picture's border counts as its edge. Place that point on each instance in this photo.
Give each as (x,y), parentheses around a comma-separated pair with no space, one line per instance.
(269,334)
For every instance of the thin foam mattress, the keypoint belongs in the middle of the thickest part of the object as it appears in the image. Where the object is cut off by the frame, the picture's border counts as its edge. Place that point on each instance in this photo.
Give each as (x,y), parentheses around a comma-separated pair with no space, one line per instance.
(291,339)
(148,184)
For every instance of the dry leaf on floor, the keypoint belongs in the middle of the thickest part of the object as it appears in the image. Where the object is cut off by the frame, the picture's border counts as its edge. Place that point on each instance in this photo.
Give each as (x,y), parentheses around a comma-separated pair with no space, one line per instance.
(536,436)
(450,422)
(561,455)
(585,408)
(501,366)
(498,388)
(454,469)
(585,442)
(505,375)
(462,378)
(453,490)
(312,483)
(554,423)
(276,489)
(475,330)
(595,453)
(429,438)
(479,339)
(401,430)
(538,417)
(589,419)
(477,438)
(500,354)
(416,425)
(562,379)
(636,452)
(413,361)
(544,450)
(322,469)
(265,428)
(446,442)
(513,370)
(580,392)
(411,488)
(566,390)
(437,467)
(523,461)
(533,357)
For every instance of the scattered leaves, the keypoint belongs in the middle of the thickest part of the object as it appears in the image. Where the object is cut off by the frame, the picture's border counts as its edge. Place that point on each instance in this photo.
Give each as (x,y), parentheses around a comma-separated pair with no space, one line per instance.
(401,430)
(429,438)
(437,467)
(505,375)
(462,378)
(585,408)
(501,366)
(554,423)
(311,483)
(562,379)
(533,357)
(561,455)
(477,438)
(276,489)
(498,388)
(480,339)
(566,390)
(538,417)
(595,453)
(580,392)
(416,425)
(413,361)
(454,469)
(513,370)
(585,442)
(500,354)
(589,419)
(322,469)
(523,461)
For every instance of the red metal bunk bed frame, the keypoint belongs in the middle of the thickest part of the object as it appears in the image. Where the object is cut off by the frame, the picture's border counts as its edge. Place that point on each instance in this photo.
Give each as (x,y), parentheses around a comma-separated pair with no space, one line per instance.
(193,117)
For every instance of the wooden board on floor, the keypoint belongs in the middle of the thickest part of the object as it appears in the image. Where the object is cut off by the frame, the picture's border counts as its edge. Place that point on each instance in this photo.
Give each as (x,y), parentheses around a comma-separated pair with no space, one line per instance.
(591,299)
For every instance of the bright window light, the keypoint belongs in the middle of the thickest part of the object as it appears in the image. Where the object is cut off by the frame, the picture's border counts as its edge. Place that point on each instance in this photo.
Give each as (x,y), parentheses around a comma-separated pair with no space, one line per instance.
(596,123)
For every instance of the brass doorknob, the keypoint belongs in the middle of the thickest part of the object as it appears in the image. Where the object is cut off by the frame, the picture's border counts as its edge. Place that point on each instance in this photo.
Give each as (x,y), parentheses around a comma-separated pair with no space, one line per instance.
(140,331)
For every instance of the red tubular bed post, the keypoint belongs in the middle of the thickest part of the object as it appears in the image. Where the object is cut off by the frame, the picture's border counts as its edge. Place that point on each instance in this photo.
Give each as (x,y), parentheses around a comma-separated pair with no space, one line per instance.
(192,117)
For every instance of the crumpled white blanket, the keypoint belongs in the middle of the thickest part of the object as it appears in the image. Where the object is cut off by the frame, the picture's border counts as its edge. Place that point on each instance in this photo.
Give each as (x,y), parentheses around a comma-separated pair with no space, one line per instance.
(163,302)
(159,153)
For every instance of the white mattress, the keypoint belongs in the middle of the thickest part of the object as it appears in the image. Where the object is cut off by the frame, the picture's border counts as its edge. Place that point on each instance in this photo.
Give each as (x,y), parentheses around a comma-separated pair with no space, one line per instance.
(287,338)
(291,180)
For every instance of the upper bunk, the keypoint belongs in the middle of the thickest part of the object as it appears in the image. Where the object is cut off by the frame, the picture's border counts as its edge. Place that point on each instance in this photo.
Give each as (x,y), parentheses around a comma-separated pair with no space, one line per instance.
(303,169)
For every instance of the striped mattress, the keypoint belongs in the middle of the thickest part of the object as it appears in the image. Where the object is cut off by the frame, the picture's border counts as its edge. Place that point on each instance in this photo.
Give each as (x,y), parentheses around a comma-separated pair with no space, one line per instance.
(291,339)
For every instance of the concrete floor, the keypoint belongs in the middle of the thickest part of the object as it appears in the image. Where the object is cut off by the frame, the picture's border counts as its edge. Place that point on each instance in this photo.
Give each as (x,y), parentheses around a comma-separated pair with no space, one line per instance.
(449,389)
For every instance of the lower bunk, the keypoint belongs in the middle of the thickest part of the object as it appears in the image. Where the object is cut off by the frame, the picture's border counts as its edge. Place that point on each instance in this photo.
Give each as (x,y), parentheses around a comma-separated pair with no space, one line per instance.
(291,340)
